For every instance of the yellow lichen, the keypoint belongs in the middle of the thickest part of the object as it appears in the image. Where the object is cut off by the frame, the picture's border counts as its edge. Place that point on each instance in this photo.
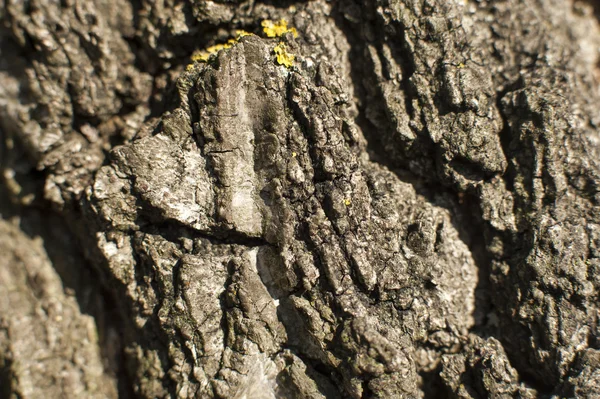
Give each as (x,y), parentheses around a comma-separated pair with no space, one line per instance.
(294,154)
(204,55)
(270,28)
(460,65)
(347,201)
(282,56)
(241,33)
(277,29)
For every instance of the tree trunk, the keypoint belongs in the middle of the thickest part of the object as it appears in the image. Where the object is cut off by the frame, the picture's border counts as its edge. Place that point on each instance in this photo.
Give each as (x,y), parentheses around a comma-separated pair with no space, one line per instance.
(348,199)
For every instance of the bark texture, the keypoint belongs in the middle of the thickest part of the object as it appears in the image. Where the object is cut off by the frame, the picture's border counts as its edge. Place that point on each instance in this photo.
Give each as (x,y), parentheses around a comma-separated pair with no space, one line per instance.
(411,210)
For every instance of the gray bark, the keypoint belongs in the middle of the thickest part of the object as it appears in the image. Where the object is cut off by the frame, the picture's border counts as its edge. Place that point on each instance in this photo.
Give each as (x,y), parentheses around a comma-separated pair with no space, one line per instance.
(411,210)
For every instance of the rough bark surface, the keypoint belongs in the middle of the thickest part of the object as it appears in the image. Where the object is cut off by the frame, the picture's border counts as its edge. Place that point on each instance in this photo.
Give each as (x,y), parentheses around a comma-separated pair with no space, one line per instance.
(412,210)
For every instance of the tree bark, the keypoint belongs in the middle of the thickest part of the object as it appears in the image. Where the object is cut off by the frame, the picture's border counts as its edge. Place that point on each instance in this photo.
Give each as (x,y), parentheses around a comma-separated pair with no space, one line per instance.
(393,199)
